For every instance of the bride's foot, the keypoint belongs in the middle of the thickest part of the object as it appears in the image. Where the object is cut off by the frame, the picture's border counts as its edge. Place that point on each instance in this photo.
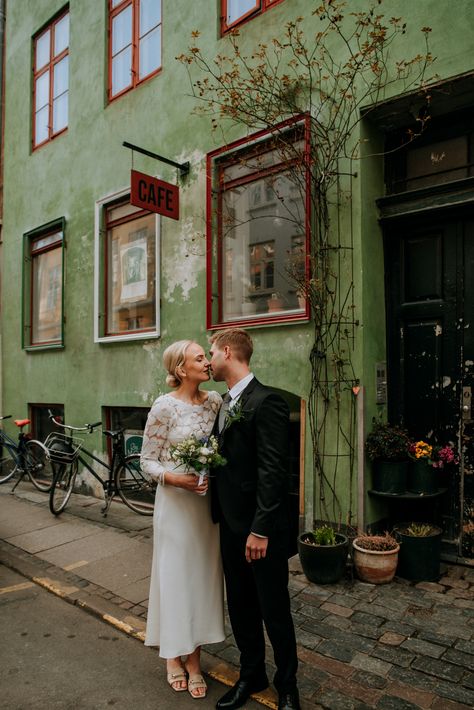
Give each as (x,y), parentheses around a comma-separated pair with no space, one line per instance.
(196,684)
(176,675)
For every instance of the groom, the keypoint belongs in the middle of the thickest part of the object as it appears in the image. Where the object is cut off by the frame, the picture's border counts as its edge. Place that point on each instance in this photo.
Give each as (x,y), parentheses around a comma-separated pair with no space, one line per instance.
(248,500)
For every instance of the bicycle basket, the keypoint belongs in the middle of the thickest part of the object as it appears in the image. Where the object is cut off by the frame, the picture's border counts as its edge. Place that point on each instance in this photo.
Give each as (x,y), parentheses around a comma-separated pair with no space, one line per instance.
(62,448)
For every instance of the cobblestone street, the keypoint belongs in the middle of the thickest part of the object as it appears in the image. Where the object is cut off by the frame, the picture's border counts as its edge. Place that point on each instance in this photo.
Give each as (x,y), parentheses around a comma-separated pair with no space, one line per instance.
(397,646)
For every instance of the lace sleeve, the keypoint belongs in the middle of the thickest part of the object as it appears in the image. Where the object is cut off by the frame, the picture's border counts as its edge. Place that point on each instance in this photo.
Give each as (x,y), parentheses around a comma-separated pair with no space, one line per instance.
(155,437)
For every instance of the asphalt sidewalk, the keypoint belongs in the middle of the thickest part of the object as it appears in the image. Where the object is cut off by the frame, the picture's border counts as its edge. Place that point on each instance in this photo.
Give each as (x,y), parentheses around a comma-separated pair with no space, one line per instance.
(396,646)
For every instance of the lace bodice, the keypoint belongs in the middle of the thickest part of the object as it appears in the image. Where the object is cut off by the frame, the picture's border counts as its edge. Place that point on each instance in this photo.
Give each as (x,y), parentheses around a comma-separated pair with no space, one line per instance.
(171,420)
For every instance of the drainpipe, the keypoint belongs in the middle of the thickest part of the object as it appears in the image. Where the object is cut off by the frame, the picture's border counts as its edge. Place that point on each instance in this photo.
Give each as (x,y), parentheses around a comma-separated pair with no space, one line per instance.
(360,460)
(2,112)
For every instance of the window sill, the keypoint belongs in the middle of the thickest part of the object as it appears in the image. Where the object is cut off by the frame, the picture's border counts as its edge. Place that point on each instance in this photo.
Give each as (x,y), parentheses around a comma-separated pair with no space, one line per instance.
(35,348)
(148,335)
(256,321)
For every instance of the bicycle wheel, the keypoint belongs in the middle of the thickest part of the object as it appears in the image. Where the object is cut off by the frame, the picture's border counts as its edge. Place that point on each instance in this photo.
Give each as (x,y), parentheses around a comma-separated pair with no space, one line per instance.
(135,487)
(8,465)
(61,489)
(39,467)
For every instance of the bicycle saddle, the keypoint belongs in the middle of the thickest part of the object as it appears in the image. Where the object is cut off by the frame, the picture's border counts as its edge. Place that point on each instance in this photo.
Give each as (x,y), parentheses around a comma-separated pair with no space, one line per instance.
(22,422)
(112,434)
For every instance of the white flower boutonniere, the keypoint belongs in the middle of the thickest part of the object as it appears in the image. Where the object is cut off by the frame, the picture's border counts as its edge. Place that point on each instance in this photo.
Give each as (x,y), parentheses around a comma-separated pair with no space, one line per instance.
(234,414)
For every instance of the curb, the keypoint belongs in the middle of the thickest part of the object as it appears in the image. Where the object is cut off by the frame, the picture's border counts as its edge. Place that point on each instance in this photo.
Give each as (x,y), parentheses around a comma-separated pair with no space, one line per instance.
(73,589)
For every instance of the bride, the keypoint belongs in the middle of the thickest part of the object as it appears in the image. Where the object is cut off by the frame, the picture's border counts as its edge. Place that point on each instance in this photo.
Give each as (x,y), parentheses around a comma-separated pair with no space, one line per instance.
(185,608)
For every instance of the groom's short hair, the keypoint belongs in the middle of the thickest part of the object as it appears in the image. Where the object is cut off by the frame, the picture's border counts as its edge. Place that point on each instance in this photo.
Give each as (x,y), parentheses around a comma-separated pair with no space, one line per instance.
(237,339)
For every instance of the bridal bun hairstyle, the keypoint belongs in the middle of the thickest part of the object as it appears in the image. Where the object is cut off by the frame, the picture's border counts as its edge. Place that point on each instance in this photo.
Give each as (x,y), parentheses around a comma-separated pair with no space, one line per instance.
(173,360)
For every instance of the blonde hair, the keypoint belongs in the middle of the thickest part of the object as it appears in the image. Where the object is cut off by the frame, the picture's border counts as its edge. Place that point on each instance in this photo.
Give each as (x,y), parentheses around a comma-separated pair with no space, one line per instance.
(237,339)
(173,358)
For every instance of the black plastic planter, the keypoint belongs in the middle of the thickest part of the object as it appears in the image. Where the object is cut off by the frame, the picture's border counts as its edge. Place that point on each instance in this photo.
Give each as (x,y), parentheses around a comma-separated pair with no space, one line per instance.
(323,564)
(419,557)
(390,476)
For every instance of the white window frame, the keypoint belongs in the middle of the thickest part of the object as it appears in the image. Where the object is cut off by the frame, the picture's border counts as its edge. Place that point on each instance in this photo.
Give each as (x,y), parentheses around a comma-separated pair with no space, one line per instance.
(100,206)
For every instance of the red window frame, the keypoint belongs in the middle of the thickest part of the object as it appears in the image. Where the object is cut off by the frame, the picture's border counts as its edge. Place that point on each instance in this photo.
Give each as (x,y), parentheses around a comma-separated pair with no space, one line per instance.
(38,73)
(135,80)
(215,190)
(109,224)
(260,6)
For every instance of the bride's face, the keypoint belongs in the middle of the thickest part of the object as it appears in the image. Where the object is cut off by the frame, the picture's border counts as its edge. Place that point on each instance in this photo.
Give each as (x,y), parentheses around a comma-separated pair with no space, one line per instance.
(196,364)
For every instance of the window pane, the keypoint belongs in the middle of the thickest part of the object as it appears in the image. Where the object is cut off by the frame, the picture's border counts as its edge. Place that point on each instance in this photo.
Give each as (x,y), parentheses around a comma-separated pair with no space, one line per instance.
(130,277)
(47,297)
(238,8)
(122,71)
(60,112)
(122,30)
(150,52)
(61,73)
(41,125)
(42,91)
(115,3)
(258,225)
(61,35)
(150,15)
(42,50)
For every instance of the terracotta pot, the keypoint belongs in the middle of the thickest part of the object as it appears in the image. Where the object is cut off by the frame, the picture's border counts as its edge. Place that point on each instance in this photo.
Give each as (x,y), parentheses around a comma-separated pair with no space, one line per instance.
(373,566)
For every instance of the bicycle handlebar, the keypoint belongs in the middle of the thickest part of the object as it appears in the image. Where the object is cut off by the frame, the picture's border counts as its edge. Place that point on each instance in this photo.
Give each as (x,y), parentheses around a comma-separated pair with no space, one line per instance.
(87,427)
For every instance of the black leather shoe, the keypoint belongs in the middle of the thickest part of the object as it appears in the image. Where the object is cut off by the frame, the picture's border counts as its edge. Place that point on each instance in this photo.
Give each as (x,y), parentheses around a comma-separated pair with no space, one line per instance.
(240,693)
(289,701)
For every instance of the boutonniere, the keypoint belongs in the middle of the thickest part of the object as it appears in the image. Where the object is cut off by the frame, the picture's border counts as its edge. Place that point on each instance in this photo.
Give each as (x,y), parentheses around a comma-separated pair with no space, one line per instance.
(234,414)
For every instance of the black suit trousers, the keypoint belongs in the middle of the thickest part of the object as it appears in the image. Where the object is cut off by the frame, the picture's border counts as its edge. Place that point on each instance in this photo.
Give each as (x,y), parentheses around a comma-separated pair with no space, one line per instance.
(257,594)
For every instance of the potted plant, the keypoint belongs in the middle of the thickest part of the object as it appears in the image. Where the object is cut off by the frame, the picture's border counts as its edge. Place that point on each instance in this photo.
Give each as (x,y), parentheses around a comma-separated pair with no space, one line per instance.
(275,302)
(420,551)
(387,447)
(375,557)
(426,460)
(323,554)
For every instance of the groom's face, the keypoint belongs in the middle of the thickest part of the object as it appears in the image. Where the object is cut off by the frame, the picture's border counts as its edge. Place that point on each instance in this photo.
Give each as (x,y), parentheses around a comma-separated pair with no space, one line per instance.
(218,360)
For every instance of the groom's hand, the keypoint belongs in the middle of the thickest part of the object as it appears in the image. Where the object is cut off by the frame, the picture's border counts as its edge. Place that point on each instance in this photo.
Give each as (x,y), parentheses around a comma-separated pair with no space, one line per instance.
(256,547)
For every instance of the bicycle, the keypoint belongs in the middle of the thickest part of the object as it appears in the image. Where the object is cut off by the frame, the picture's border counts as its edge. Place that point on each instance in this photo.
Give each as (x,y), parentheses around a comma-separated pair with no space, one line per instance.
(25,457)
(125,476)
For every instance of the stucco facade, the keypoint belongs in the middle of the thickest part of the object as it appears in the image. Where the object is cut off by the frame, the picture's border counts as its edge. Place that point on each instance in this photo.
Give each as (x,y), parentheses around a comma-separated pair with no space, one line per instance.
(80,168)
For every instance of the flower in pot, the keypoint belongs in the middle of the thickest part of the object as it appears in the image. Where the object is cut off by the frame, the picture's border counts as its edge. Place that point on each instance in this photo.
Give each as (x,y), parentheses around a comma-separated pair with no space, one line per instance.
(426,459)
(420,551)
(275,302)
(387,447)
(375,557)
(323,554)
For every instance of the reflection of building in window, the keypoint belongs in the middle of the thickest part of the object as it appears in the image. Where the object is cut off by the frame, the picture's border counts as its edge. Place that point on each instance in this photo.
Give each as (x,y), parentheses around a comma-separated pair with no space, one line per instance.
(46,289)
(262,267)
(130,273)
(260,203)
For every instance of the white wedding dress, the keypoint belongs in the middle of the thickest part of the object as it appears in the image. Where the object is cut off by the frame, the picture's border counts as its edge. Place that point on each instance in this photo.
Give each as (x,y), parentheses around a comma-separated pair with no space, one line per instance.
(186,602)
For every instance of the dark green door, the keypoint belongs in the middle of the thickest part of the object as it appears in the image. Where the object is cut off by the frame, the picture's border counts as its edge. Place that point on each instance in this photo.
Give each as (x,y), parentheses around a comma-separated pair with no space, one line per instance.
(430,341)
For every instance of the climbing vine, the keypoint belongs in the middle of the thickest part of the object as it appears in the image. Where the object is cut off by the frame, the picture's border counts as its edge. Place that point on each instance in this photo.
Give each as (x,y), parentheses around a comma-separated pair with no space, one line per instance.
(333,68)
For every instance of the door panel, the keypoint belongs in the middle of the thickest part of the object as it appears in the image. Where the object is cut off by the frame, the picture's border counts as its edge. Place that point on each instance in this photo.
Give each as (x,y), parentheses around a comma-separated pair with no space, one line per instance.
(429,264)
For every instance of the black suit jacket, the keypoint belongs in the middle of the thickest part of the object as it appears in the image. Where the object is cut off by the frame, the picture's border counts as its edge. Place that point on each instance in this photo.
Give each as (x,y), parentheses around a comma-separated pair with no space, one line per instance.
(249,492)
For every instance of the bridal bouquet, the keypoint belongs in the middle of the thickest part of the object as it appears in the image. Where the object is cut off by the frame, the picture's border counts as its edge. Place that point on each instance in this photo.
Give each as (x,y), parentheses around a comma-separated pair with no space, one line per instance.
(198,454)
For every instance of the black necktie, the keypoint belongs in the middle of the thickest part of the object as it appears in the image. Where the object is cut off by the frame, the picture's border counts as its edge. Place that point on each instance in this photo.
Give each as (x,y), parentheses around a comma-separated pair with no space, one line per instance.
(226,400)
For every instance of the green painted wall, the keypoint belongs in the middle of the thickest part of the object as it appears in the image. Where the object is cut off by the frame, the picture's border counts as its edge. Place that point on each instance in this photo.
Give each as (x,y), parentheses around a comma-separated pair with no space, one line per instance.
(88,162)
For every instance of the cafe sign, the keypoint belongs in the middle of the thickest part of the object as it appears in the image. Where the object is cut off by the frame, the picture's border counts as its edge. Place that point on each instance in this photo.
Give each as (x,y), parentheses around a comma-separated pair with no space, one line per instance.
(154,195)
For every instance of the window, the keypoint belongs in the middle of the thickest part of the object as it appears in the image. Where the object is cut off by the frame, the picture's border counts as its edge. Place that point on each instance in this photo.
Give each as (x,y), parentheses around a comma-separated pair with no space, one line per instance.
(134,43)
(43,287)
(126,271)
(51,80)
(41,424)
(235,11)
(257,229)
(132,420)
